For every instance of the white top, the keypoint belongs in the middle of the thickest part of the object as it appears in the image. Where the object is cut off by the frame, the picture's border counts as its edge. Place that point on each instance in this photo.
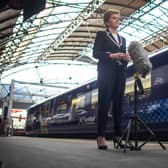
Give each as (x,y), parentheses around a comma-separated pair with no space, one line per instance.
(115,37)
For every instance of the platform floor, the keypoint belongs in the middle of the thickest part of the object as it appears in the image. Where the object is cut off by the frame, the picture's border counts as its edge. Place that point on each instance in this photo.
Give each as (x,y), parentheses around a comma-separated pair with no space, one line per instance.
(28,152)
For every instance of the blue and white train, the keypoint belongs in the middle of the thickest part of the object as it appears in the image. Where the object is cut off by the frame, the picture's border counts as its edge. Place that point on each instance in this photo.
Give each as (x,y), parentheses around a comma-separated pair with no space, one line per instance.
(74,112)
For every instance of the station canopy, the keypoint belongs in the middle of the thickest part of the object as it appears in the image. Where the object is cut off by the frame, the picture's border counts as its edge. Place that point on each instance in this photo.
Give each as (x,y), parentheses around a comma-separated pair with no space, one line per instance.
(51,51)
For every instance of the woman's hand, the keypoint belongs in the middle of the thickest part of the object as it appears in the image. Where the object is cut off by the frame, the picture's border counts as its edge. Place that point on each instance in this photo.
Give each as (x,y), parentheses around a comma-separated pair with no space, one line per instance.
(119,56)
(126,57)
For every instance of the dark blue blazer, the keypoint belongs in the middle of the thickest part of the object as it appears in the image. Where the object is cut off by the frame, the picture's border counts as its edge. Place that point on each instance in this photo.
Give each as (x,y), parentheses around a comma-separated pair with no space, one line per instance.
(105,44)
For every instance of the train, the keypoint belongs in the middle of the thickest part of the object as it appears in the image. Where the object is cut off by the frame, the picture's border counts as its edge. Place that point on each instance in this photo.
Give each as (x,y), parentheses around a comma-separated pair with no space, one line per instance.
(73,113)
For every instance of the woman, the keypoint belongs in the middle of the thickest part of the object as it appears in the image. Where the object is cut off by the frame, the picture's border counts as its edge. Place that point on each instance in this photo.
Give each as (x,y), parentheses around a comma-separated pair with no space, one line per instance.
(110,49)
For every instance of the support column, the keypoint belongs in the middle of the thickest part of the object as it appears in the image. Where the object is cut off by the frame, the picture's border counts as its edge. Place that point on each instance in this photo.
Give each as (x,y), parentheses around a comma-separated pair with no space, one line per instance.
(11,91)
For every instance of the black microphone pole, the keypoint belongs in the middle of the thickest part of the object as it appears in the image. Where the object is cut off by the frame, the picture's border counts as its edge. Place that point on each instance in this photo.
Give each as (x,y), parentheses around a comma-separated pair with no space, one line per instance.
(137,85)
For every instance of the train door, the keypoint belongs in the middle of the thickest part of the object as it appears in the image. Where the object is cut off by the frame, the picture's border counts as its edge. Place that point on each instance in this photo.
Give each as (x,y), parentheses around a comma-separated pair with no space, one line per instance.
(44,111)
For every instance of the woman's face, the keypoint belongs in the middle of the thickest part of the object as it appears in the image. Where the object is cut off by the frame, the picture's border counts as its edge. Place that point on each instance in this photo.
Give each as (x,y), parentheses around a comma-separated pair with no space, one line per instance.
(114,21)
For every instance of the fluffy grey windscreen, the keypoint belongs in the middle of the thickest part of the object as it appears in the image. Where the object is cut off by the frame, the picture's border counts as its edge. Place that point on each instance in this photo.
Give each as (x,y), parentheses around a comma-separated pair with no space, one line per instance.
(140,59)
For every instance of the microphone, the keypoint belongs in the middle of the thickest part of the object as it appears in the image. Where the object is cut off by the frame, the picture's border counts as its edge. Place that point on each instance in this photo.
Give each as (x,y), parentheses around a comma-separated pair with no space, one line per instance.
(141,62)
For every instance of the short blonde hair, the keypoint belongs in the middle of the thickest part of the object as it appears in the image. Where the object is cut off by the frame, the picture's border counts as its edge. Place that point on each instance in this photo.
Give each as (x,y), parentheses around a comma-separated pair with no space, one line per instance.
(108,13)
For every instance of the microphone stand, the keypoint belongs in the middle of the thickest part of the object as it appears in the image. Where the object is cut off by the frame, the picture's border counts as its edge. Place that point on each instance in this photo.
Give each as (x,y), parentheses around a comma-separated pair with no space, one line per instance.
(137,121)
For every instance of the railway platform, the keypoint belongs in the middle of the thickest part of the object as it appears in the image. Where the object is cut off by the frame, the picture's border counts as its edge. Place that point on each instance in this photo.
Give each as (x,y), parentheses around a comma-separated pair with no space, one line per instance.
(33,152)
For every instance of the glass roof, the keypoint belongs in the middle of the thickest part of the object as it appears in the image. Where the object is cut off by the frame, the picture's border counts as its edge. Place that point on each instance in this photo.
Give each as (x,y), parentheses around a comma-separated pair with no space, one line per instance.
(40,32)
(149,20)
(42,29)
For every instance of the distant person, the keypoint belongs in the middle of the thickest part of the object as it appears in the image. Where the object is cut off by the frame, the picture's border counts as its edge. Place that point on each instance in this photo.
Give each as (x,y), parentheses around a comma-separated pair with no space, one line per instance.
(110,49)
(5,127)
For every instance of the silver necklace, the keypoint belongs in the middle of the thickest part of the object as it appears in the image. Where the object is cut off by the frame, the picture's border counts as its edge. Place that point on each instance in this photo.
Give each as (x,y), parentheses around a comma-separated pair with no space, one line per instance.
(114,41)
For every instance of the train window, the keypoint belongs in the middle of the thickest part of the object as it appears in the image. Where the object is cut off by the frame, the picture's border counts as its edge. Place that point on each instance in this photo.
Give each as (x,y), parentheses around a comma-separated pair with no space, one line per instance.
(146,82)
(88,99)
(37,111)
(47,108)
(81,102)
(42,110)
(51,108)
(129,85)
(30,118)
(62,108)
(94,99)
(159,76)
(78,103)
(74,103)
